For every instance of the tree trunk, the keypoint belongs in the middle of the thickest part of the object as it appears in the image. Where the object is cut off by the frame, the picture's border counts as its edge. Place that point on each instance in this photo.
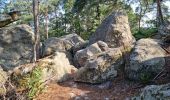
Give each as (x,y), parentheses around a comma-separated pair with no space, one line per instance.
(46,18)
(36,29)
(98,12)
(140,17)
(160,20)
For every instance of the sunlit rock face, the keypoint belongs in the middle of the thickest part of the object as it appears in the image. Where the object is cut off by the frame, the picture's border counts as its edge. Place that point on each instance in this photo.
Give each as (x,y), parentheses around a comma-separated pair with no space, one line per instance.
(16,46)
(99,67)
(64,43)
(57,68)
(146,60)
(3,79)
(83,55)
(115,31)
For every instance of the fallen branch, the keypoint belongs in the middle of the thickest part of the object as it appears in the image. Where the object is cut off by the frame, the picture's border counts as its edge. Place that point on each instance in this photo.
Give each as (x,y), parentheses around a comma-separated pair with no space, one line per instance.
(158,74)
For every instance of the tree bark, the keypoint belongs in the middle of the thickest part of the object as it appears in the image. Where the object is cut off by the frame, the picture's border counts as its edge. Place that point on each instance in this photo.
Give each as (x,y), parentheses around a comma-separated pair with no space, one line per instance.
(160,19)
(36,29)
(46,18)
(98,12)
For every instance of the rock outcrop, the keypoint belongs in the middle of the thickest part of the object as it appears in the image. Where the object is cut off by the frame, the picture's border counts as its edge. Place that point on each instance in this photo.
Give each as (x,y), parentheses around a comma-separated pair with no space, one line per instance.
(164,30)
(6,19)
(83,55)
(55,68)
(101,67)
(146,60)
(63,44)
(79,46)
(154,92)
(115,31)
(16,46)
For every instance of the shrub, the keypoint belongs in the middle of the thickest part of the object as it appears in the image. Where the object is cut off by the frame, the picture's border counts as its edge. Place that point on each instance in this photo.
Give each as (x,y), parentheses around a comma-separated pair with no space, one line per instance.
(31,83)
(145,33)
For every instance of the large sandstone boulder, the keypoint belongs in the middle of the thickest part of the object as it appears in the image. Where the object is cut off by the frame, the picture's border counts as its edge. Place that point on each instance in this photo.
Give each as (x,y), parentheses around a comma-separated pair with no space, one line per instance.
(59,68)
(101,67)
(81,56)
(114,30)
(55,68)
(154,92)
(3,79)
(16,46)
(64,43)
(146,60)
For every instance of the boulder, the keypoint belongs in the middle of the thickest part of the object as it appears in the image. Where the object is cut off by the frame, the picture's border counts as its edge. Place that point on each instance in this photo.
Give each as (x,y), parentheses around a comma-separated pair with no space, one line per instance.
(81,56)
(3,79)
(100,68)
(8,18)
(59,68)
(115,31)
(64,43)
(164,30)
(146,60)
(55,68)
(79,46)
(154,92)
(16,46)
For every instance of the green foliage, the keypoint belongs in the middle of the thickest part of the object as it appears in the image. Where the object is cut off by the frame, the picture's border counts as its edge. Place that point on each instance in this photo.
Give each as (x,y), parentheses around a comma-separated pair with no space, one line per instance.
(31,82)
(81,16)
(145,77)
(145,33)
(34,84)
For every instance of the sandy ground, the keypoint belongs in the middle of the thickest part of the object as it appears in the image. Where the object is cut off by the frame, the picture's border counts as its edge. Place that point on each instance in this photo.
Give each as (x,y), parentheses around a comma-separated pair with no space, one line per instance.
(119,89)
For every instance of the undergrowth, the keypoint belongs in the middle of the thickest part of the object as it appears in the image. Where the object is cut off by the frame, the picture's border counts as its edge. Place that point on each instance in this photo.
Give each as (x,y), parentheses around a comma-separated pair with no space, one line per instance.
(145,33)
(31,83)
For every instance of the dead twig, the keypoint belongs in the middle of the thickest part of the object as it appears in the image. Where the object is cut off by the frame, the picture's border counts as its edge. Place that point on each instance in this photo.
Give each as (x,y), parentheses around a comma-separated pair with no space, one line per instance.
(158,74)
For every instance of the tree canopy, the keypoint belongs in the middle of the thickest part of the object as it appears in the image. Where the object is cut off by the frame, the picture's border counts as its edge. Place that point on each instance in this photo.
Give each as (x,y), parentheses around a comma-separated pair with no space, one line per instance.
(60,17)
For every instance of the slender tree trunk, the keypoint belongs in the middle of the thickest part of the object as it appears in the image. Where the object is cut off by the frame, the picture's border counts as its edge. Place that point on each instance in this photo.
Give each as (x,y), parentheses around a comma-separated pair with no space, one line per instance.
(160,20)
(46,26)
(36,29)
(98,12)
(142,13)
(139,21)
(140,17)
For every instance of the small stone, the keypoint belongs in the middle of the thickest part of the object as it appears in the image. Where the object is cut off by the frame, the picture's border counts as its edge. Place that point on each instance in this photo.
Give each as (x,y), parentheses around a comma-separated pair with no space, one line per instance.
(77,98)
(72,95)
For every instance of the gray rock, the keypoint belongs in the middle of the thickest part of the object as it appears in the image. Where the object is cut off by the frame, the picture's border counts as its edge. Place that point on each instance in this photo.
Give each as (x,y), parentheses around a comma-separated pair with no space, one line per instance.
(64,43)
(146,60)
(16,46)
(115,31)
(81,56)
(79,46)
(101,67)
(154,92)
(164,30)
(55,68)
(6,19)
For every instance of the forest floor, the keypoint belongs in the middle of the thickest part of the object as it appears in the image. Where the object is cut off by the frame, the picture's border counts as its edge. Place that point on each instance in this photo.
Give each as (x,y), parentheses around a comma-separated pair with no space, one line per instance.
(116,90)
(119,89)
